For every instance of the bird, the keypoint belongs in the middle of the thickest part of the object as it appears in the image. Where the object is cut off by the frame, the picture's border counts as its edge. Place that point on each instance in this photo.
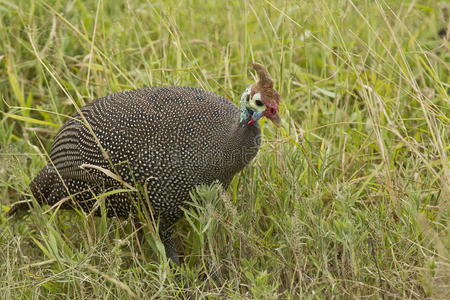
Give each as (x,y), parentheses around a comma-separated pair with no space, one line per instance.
(166,140)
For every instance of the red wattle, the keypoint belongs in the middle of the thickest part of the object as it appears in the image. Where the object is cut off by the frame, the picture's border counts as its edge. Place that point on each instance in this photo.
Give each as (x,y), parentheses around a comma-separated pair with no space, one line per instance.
(251,122)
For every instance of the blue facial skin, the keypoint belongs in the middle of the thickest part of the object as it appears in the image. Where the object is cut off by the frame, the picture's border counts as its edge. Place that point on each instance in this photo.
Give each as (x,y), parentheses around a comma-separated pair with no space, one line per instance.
(250,117)
(256,116)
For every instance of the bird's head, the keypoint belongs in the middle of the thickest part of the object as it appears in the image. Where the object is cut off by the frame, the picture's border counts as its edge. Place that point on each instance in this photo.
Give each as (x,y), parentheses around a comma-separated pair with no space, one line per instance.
(260,99)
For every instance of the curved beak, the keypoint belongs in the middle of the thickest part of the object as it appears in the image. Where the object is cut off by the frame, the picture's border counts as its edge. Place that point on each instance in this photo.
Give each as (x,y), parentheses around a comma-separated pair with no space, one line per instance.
(276,120)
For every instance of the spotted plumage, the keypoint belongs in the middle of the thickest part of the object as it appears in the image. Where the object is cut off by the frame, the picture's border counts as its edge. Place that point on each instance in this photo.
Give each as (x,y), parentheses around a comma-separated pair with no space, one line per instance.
(165,139)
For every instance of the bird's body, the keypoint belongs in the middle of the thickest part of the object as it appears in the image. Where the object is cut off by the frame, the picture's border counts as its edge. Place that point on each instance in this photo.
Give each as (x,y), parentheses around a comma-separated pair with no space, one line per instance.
(166,139)
(155,144)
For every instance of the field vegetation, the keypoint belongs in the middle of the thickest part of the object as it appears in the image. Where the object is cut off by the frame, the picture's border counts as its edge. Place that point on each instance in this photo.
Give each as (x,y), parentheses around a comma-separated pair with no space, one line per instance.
(349,198)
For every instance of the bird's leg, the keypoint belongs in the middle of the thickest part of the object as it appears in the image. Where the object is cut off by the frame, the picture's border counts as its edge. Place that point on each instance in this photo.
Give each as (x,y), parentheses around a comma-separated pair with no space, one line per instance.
(140,231)
(166,238)
(171,251)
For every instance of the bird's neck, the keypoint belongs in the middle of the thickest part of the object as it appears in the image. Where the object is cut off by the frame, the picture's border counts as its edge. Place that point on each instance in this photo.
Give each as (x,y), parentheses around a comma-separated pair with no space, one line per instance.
(246,112)
(246,116)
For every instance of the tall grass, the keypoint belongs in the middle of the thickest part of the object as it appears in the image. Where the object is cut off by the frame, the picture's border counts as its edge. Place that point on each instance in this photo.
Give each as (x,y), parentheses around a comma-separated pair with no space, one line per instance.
(348,199)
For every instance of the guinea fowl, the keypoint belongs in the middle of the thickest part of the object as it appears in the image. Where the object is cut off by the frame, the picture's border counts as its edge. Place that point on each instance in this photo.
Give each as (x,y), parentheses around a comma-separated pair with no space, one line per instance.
(166,139)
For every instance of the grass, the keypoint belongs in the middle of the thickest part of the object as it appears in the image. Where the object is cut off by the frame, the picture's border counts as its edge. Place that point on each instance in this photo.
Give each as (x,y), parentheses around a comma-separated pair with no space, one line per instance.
(348,199)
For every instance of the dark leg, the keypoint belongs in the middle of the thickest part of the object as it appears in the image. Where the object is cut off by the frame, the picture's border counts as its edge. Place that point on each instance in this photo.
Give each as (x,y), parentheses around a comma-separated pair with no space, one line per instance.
(169,245)
(171,253)
(165,235)
(140,230)
(140,235)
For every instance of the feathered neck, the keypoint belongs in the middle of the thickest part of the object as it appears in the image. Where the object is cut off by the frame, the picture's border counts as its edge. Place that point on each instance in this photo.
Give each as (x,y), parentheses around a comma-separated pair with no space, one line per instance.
(246,112)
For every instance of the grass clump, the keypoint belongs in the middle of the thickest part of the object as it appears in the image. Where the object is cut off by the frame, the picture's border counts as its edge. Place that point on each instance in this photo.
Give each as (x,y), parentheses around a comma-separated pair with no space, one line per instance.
(348,199)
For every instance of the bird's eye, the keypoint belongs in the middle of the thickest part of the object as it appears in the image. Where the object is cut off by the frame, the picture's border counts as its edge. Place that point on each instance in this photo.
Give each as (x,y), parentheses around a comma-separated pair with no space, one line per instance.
(259,103)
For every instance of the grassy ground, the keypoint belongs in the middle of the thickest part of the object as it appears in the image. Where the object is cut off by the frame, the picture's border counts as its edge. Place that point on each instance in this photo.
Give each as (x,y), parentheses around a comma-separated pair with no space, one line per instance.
(348,199)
